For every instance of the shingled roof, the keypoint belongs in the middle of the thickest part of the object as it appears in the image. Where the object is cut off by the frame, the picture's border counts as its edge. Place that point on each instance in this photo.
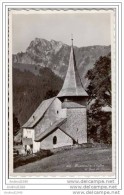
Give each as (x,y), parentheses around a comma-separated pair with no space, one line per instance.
(72,84)
(50,129)
(38,114)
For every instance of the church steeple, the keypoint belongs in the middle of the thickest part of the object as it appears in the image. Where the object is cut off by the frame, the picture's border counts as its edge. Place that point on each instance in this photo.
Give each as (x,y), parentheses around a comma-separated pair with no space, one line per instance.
(72,84)
(72,39)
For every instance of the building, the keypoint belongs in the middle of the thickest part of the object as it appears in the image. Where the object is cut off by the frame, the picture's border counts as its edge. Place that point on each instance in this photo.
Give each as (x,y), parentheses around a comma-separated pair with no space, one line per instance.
(61,120)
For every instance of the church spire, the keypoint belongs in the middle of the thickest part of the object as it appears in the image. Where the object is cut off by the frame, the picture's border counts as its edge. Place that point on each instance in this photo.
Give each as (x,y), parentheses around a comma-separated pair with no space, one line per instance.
(72,84)
(72,39)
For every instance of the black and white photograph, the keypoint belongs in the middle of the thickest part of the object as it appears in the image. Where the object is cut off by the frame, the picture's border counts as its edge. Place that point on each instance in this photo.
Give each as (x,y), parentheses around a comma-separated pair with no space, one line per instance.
(62,91)
(62,97)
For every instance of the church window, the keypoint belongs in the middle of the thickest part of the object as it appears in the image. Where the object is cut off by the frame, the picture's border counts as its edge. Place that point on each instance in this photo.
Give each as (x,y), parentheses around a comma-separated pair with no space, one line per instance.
(74,142)
(54,140)
(57,111)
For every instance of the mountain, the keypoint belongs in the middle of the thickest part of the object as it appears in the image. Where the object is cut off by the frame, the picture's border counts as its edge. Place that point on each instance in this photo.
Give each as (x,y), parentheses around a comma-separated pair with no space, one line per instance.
(55,55)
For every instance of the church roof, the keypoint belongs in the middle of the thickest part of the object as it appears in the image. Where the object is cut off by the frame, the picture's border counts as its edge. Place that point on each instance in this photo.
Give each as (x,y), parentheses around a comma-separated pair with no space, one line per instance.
(38,114)
(72,84)
(50,129)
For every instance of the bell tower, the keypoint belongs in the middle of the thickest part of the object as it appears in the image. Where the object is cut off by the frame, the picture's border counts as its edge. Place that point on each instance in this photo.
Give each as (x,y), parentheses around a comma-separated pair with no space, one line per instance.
(74,100)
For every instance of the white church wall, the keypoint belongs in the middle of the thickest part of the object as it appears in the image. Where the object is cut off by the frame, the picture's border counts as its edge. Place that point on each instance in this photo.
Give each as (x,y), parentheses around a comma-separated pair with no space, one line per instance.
(36,146)
(62,140)
(29,133)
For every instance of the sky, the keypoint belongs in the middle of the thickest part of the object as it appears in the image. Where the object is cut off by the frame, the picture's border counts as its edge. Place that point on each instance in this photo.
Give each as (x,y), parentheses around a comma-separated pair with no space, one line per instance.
(87,28)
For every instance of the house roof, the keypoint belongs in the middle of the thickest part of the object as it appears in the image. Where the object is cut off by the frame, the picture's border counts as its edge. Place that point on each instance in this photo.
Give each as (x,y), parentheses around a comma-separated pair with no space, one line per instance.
(50,129)
(72,84)
(27,141)
(38,114)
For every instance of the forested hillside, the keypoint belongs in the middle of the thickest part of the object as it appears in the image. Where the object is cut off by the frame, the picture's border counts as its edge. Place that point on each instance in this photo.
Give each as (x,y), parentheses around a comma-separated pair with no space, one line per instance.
(30,90)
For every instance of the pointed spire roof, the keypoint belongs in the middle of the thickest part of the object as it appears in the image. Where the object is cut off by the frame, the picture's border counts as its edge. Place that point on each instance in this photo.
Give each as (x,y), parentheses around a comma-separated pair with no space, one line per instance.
(72,84)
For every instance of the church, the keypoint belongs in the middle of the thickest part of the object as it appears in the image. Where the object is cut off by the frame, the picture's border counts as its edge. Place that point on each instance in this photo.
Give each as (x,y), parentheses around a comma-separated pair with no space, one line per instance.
(61,120)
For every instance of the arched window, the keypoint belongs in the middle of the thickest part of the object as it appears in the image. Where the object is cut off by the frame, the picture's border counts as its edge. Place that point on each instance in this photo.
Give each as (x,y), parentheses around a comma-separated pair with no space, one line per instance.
(54,140)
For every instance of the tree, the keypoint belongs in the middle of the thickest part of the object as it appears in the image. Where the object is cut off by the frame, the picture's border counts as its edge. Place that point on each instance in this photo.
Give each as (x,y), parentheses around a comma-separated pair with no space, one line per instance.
(100,80)
(51,93)
(16,125)
(99,90)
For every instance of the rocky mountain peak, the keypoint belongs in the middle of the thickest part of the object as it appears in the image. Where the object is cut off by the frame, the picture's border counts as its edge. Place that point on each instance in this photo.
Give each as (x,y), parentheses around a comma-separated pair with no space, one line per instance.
(55,55)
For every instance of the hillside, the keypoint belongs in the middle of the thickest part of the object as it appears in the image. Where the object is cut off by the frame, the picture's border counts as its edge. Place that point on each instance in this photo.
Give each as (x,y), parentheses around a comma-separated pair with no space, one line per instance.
(30,90)
(74,160)
(55,55)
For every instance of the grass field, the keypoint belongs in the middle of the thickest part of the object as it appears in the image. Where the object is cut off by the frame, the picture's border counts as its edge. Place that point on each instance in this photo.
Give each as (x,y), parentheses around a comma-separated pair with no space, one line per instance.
(21,160)
(74,160)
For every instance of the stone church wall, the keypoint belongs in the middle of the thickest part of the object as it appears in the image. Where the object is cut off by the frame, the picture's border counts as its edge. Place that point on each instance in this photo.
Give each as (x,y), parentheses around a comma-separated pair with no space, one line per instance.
(76,124)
